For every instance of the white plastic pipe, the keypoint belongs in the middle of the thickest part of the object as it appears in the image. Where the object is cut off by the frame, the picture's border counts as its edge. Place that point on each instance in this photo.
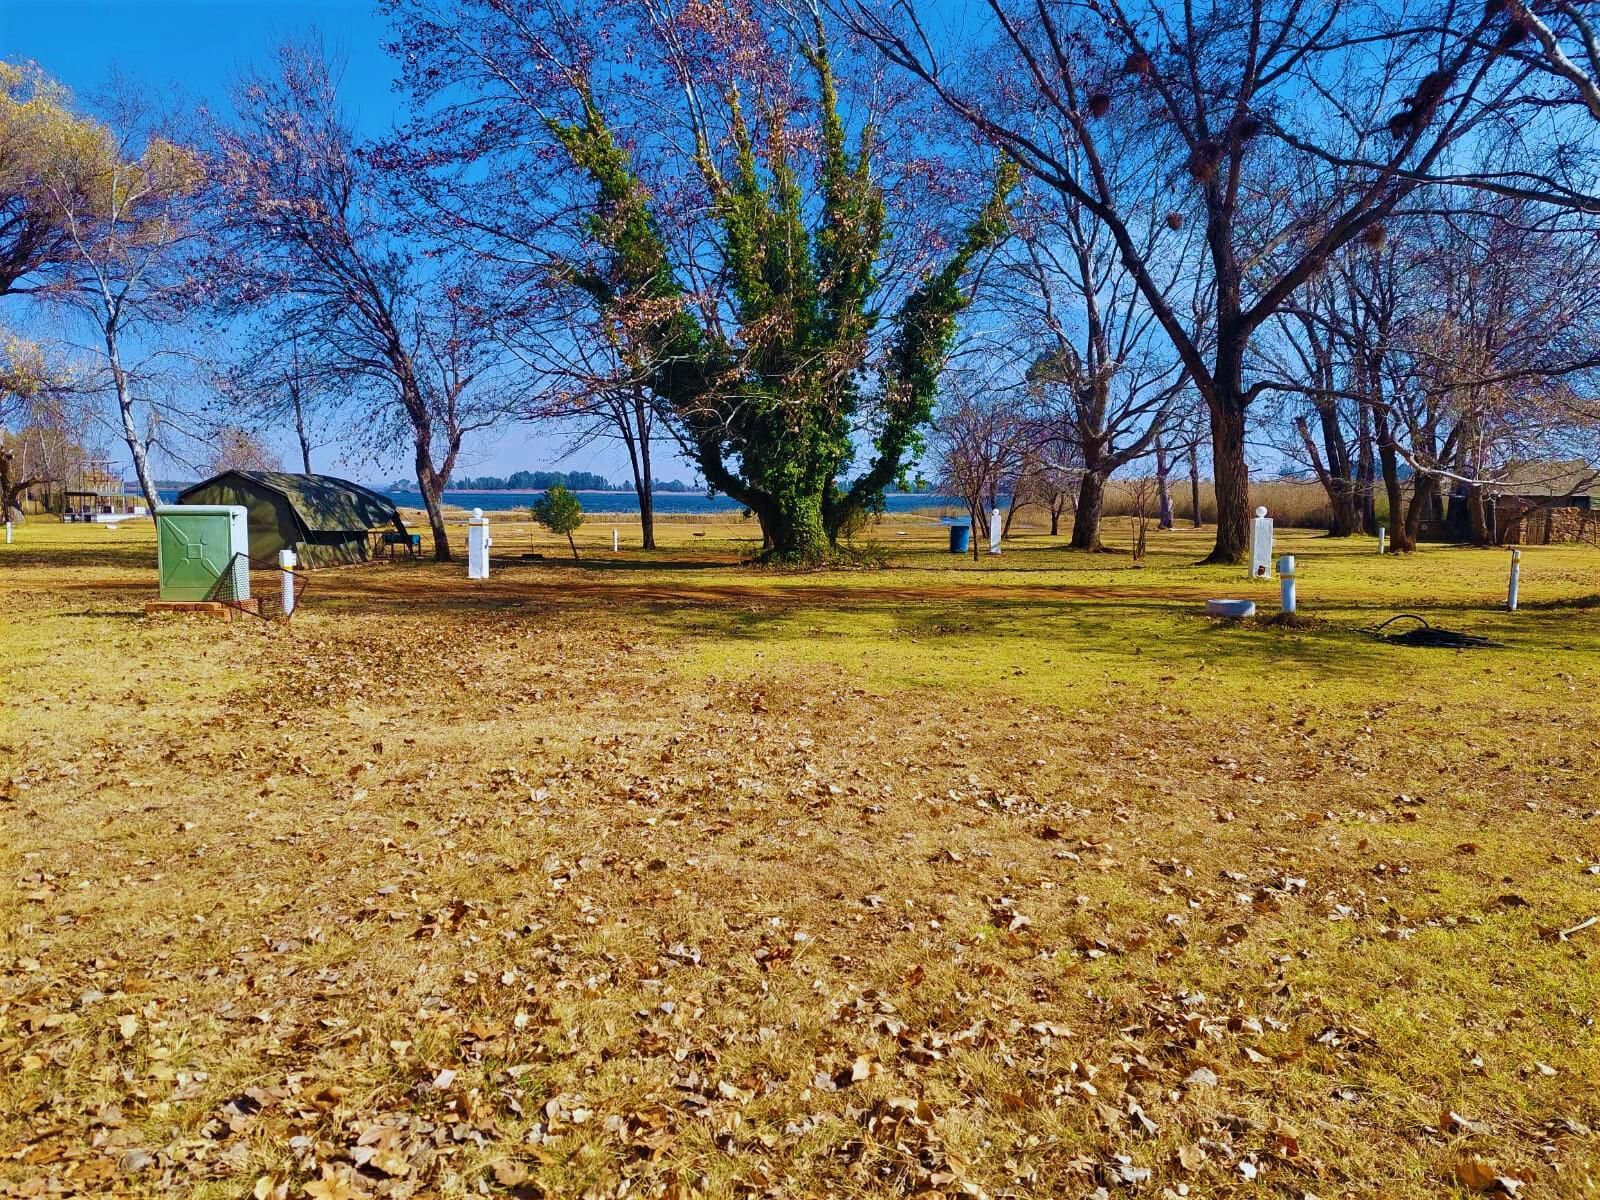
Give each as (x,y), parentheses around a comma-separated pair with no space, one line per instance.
(1516,578)
(1383,537)
(1286,582)
(286,564)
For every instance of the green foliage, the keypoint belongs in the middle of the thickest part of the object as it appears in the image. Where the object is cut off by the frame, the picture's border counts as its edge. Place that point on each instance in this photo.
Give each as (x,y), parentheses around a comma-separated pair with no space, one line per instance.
(559,511)
(770,423)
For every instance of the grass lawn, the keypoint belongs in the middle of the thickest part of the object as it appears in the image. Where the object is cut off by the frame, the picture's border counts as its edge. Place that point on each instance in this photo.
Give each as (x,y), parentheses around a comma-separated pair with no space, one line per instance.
(656,875)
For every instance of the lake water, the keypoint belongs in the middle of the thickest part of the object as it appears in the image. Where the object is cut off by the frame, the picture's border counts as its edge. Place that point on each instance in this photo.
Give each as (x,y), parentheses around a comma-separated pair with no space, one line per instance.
(667,503)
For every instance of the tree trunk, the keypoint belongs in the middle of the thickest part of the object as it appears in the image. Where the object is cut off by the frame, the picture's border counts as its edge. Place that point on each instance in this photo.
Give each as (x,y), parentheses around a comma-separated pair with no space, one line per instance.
(1011,511)
(636,436)
(1424,493)
(432,489)
(1163,491)
(1389,462)
(796,529)
(130,428)
(1334,474)
(1091,506)
(574,546)
(1478,515)
(1231,475)
(300,426)
(1055,517)
(647,498)
(1366,474)
(1194,486)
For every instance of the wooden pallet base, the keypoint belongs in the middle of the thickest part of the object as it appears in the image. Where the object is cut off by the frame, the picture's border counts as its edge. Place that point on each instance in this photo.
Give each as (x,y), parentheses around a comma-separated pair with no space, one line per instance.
(204,608)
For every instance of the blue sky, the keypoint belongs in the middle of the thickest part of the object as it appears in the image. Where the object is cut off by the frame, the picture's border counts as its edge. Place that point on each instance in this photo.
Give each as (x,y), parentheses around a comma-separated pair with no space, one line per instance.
(191,51)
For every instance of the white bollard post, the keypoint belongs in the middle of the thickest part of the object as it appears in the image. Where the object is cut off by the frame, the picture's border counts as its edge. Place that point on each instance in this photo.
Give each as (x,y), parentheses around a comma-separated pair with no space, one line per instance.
(8,533)
(1261,546)
(994,532)
(1286,582)
(614,541)
(478,543)
(1383,536)
(1516,578)
(286,563)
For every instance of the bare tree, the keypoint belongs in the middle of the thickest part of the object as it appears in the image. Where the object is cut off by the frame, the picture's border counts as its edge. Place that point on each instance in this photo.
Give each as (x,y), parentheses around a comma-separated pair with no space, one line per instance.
(237,449)
(1104,379)
(129,201)
(589,376)
(1567,34)
(309,214)
(1232,105)
(276,380)
(983,440)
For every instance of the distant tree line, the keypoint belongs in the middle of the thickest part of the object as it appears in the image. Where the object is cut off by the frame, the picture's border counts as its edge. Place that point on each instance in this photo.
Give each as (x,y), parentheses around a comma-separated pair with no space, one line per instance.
(538,481)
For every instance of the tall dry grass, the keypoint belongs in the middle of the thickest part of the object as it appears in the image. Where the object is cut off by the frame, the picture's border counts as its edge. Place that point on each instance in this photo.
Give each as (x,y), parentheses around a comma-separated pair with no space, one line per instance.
(1294,504)
(1291,503)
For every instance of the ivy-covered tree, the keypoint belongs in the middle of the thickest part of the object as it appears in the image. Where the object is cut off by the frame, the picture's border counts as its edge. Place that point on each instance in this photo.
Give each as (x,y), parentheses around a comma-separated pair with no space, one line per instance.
(748,255)
(768,412)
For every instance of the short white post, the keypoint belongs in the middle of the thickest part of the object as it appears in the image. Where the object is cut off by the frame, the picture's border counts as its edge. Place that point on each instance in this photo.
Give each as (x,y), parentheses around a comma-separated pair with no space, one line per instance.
(8,533)
(1261,546)
(1383,537)
(286,563)
(614,541)
(1286,582)
(994,532)
(1516,578)
(478,543)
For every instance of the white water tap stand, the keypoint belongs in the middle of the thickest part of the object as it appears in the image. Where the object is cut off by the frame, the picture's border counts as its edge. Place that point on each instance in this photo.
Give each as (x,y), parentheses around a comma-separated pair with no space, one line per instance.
(1516,578)
(1383,536)
(478,543)
(1261,546)
(994,532)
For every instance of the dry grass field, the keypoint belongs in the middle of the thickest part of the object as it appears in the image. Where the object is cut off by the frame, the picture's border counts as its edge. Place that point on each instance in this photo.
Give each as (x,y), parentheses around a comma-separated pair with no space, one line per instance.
(657,875)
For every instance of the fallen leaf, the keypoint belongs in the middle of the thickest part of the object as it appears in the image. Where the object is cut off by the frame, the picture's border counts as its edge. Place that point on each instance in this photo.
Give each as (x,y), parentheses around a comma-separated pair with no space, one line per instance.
(1475,1174)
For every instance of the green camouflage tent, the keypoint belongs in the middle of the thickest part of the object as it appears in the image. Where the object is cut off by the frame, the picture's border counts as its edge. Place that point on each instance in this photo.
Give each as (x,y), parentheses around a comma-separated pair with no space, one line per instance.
(322,519)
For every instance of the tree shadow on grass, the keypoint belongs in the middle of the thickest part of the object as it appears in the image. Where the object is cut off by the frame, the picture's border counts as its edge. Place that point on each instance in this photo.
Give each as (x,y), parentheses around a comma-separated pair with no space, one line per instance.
(55,557)
(613,566)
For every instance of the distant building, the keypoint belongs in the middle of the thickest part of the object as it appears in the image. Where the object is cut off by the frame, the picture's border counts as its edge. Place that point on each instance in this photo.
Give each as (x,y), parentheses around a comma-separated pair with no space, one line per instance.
(1531,503)
(1537,503)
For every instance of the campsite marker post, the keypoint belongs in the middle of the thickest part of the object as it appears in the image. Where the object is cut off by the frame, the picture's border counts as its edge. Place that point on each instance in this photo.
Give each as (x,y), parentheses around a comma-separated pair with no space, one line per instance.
(287,563)
(994,532)
(8,533)
(1286,582)
(1382,537)
(478,543)
(614,541)
(1516,578)
(1261,546)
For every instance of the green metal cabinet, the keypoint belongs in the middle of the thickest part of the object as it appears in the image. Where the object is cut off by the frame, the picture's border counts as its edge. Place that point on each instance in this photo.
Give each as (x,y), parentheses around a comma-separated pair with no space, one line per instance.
(195,544)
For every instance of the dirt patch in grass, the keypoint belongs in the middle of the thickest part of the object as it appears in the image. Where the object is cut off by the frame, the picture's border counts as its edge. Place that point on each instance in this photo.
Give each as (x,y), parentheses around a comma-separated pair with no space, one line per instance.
(540,894)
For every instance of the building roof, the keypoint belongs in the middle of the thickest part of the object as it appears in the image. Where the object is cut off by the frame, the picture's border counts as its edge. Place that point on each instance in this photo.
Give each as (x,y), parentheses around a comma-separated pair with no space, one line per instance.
(324,503)
(1529,477)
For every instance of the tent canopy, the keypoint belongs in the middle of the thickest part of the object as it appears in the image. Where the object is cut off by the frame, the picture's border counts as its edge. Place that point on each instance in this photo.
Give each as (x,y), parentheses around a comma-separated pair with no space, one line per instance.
(324,520)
